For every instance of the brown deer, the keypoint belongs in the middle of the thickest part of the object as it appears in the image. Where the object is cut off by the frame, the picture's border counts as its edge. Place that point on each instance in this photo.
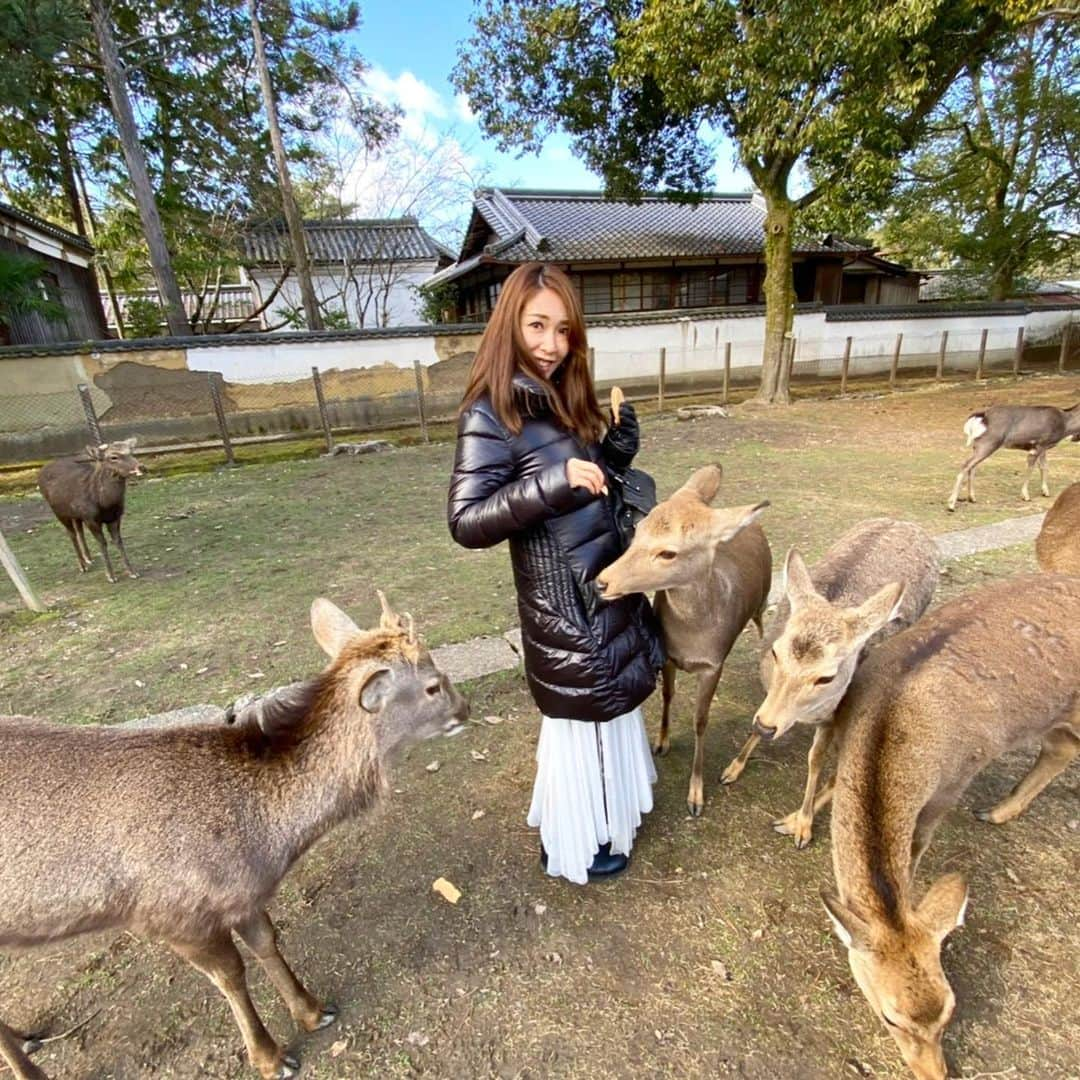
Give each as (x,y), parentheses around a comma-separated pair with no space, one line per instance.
(928,710)
(1034,428)
(89,490)
(183,834)
(874,581)
(711,570)
(1057,547)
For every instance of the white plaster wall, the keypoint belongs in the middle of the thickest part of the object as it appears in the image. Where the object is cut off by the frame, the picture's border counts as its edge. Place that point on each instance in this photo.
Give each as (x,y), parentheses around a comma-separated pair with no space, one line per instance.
(401,306)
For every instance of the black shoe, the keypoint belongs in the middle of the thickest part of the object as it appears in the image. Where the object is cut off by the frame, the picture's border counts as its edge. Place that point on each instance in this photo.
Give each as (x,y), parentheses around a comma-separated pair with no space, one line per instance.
(606,864)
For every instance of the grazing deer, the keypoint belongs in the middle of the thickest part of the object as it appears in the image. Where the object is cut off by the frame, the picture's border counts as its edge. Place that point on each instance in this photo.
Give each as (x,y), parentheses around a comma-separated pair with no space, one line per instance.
(711,570)
(928,710)
(1034,428)
(184,833)
(1057,547)
(89,490)
(876,580)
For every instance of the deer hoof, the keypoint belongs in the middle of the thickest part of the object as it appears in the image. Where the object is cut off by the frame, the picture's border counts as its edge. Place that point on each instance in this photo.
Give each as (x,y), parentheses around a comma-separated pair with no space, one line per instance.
(731,773)
(660,749)
(800,831)
(991,816)
(327,1017)
(31,1044)
(133,573)
(288,1068)
(696,809)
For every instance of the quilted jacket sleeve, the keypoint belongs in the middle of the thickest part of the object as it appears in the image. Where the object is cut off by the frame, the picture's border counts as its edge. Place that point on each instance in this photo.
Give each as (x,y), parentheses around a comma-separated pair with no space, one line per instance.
(488,503)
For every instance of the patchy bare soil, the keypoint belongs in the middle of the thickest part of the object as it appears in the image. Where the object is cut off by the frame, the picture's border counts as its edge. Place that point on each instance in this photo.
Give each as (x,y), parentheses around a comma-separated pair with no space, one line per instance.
(711,956)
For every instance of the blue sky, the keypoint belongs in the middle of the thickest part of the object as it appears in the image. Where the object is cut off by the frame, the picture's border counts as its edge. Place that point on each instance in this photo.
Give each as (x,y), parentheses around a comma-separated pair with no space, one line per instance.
(412,48)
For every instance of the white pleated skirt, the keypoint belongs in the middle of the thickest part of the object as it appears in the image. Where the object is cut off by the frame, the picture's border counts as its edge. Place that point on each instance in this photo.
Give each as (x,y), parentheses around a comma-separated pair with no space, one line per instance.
(593,783)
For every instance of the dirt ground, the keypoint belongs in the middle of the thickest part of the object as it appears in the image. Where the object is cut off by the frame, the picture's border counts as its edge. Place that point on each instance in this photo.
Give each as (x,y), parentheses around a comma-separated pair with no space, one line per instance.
(712,955)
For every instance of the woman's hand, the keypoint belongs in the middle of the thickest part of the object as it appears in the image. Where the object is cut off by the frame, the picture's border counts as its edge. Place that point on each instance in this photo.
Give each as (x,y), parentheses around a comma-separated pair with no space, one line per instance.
(585,474)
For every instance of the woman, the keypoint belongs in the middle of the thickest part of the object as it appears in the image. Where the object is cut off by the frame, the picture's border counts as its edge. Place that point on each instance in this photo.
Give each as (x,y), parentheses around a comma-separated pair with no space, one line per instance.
(530,468)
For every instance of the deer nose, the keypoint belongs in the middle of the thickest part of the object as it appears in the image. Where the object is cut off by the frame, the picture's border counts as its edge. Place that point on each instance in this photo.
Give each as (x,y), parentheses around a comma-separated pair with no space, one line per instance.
(762,730)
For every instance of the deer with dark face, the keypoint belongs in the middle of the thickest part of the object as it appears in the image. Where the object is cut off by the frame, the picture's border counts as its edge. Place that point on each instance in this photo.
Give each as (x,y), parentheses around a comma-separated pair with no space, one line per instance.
(183,834)
(88,490)
(926,712)
(711,570)
(1034,428)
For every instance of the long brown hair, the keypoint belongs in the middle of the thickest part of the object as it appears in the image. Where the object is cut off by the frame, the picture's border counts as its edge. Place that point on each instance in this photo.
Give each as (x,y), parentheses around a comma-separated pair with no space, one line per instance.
(502,351)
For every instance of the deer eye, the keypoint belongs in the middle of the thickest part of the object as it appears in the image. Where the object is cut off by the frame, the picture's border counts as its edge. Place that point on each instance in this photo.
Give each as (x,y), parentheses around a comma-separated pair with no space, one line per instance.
(824,680)
(433,689)
(667,556)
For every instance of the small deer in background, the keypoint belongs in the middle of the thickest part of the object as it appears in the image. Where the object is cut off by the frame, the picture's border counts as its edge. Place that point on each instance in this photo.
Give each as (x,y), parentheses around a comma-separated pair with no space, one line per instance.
(711,570)
(89,490)
(874,581)
(1034,428)
(183,834)
(1057,547)
(926,712)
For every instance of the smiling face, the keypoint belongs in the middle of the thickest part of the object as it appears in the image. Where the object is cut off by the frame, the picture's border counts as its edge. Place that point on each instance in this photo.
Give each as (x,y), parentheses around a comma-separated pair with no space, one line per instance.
(545,330)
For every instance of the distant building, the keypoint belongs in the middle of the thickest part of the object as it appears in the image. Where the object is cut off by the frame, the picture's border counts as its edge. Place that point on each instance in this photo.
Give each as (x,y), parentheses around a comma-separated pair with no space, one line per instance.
(365,270)
(66,277)
(655,255)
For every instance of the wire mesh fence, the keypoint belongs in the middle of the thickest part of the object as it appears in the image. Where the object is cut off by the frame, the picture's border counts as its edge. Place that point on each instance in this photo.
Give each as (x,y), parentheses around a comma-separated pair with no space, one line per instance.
(173,408)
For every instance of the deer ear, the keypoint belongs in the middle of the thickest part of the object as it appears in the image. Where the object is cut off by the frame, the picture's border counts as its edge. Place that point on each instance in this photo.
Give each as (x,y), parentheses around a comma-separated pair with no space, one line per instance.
(850,929)
(705,483)
(944,906)
(798,586)
(867,619)
(331,626)
(731,520)
(376,690)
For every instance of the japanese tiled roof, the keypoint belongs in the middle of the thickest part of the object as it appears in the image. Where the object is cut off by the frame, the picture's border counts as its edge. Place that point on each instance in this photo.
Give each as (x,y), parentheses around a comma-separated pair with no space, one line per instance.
(43,226)
(514,225)
(360,240)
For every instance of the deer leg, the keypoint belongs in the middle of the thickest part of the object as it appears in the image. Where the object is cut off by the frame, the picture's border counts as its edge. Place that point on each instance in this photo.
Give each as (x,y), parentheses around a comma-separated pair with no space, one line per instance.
(82,540)
(800,824)
(1032,458)
(99,536)
(11,1050)
(260,936)
(219,960)
(738,763)
(663,743)
(1044,472)
(977,455)
(706,687)
(118,540)
(1059,747)
(70,527)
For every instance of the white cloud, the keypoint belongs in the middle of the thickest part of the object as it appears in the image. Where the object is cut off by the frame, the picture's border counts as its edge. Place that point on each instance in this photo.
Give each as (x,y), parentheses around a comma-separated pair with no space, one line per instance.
(420,103)
(461,107)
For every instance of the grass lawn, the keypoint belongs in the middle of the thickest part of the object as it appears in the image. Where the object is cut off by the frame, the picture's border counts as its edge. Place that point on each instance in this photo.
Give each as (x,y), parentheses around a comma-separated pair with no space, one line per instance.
(711,956)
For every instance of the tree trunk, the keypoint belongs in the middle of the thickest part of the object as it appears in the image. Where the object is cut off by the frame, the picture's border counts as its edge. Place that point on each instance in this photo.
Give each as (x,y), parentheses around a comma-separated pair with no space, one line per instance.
(292,214)
(101,268)
(67,174)
(160,261)
(779,298)
(1001,283)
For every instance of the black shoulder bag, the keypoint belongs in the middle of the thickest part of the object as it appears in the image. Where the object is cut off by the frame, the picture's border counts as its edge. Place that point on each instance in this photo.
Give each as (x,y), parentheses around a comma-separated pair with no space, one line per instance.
(633,495)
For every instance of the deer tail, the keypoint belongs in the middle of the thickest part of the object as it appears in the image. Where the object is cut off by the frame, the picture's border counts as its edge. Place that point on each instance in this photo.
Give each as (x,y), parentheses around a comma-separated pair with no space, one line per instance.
(974,427)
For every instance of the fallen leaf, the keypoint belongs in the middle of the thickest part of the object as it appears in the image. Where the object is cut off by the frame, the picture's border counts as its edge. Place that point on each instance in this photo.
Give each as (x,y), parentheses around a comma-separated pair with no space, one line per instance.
(338,1048)
(139,683)
(554,957)
(478,755)
(278,644)
(256,675)
(478,814)
(446,890)
(757,935)
(539,908)
(720,968)
(493,720)
(417,1038)
(202,671)
(432,766)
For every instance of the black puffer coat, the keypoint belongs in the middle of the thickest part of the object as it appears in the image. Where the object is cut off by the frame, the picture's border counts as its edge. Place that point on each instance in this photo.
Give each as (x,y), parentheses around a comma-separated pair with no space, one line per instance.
(584,659)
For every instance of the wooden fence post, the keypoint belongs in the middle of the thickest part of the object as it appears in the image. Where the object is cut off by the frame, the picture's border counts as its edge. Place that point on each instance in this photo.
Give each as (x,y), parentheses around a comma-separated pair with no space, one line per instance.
(895,361)
(844,366)
(941,355)
(982,354)
(323,415)
(15,572)
(420,400)
(1018,352)
(727,370)
(1063,355)
(215,378)
(660,381)
(91,413)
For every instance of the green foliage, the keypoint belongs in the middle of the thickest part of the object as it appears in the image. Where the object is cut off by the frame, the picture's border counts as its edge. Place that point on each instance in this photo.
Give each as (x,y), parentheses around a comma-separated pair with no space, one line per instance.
(994,189)
(144,318)
(436,302)
(32,34)
(22,291)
